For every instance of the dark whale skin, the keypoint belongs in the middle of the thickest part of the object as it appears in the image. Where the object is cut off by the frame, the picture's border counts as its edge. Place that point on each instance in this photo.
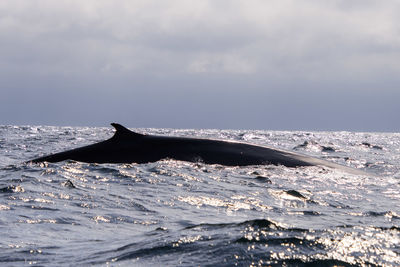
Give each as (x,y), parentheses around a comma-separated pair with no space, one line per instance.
(130,147)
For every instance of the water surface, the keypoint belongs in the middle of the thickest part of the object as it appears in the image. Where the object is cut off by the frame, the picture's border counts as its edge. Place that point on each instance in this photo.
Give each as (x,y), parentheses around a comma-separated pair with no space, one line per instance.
(179,213)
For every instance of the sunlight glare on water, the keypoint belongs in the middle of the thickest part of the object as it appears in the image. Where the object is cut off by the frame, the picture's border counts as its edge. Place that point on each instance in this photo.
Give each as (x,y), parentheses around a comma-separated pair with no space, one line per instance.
(178,213)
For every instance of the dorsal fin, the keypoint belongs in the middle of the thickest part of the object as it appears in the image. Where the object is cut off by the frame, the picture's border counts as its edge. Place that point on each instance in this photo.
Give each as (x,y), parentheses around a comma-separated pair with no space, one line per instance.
(121,131)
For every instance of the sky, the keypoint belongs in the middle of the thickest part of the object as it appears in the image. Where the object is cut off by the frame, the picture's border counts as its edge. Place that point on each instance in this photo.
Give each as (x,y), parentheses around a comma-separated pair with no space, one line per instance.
(254,64)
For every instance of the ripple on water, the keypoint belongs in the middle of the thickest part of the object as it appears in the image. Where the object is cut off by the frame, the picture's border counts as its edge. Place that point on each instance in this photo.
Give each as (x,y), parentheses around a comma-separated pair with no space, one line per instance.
(178,213)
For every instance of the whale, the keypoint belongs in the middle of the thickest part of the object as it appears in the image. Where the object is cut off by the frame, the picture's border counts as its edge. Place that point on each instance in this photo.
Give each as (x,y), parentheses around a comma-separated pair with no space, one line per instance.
(126,146)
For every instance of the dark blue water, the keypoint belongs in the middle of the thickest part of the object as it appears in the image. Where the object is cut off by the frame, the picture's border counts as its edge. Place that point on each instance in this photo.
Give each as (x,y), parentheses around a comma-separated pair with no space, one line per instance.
(173,213)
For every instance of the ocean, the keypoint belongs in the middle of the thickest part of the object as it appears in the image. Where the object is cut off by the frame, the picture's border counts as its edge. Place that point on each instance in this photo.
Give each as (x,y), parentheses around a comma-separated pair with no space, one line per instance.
(174,213)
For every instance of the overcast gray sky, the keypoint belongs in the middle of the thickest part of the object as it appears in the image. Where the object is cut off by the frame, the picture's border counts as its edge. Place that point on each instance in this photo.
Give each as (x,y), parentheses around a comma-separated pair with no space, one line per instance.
(284,65)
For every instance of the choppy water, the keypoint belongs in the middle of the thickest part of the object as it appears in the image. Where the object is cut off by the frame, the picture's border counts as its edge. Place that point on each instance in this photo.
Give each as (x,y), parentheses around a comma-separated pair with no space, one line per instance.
(173,213)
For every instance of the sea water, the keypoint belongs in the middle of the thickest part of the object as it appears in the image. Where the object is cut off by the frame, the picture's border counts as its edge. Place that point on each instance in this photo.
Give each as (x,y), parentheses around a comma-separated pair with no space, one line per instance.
(174,213)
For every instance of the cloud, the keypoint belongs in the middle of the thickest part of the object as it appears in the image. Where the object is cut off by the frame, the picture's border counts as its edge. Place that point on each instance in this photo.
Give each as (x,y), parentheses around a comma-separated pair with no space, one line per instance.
(130,48)
(300,39)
